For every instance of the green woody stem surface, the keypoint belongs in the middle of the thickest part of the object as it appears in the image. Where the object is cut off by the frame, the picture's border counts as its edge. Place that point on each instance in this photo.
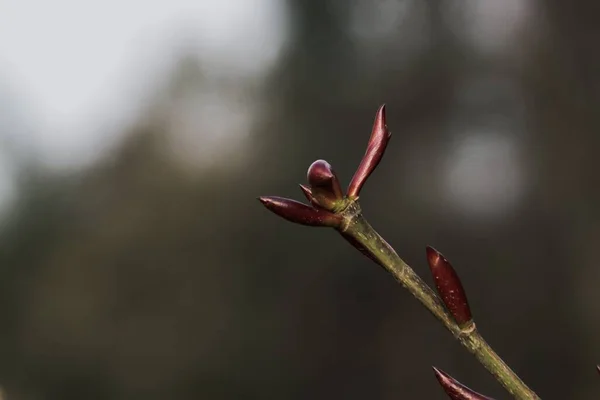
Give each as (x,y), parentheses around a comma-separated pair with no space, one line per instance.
(356,229)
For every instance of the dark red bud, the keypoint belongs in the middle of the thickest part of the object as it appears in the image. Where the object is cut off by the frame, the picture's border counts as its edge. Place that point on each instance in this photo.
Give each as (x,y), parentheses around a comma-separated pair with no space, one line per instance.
(324,185)
(361,248)
(308,194)
(449,287)
(380,136)
(300,213)
(598,368)
(456,390)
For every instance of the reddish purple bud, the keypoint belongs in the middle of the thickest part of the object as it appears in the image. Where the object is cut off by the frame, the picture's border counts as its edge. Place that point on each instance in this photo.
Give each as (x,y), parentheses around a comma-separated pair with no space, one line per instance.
(456,390)
(449,287)
(324,185)
(308,194)
(380,137)
(361,248)
(300,213)
(598,368)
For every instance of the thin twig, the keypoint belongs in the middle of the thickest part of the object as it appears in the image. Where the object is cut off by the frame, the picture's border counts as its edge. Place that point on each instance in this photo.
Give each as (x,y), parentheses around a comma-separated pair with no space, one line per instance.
(330,208)
(356,227)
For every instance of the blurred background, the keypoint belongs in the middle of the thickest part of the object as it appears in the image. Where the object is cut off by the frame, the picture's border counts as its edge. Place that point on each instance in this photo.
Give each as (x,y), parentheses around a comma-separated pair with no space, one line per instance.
(135,136)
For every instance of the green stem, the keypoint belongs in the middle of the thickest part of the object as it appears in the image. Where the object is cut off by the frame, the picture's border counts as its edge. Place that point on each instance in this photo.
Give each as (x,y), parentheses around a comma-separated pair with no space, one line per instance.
(357,230)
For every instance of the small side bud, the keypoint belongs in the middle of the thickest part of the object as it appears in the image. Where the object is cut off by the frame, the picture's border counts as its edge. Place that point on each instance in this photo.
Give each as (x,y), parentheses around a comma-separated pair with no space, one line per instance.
(308,194)
(456,390)
(324,185)
(449,287)
(356,244)
(598,368)
(300,213)
(380,136)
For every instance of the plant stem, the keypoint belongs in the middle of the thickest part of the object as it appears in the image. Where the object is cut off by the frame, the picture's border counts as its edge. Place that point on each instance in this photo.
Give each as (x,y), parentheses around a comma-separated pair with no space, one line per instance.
(356,229)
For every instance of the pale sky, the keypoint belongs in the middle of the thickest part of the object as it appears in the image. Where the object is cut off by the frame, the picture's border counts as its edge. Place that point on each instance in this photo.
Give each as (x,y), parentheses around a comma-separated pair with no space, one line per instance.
(72,72)
(80,67)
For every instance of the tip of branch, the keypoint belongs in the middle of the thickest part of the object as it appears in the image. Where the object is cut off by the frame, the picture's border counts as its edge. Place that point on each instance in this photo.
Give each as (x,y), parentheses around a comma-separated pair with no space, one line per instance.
(324,185)
(380,124)
(456,390)
(380,136)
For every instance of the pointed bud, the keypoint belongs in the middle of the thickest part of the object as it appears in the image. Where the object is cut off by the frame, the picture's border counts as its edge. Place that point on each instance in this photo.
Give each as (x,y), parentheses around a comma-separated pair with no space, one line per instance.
(598,368)
(380,137)
(324,185)
(300,213)
(356,244)
(308,194)
(449,287)
(456,390)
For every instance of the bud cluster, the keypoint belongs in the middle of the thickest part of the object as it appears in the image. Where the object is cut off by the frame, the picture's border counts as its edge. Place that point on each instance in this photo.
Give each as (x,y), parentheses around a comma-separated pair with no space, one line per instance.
(324,191)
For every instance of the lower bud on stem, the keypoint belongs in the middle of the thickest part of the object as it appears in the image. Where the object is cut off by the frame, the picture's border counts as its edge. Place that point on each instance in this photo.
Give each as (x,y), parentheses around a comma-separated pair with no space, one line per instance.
(456,390)
(449,287)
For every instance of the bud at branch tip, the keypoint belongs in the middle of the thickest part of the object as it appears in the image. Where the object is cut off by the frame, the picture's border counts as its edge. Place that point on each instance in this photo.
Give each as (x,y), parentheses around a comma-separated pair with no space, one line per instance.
(380,136)
(324,185)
